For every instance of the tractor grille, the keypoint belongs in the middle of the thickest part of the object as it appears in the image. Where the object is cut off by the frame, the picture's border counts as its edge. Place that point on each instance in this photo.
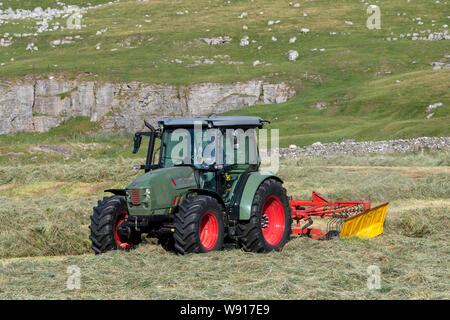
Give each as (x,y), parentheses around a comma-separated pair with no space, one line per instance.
(135,196)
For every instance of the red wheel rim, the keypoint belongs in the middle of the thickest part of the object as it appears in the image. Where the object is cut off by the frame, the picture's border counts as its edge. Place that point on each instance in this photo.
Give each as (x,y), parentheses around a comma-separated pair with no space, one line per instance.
(272,220)
(209,230)
(121,242)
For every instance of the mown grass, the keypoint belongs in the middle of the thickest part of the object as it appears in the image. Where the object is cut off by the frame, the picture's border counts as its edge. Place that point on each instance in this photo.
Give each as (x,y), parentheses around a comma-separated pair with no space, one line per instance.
(47,197)
(306,269)
(45,218)
(77,135)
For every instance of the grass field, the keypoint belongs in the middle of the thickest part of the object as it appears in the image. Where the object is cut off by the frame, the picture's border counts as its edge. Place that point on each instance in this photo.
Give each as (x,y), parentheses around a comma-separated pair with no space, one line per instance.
(374,89)
(45,216)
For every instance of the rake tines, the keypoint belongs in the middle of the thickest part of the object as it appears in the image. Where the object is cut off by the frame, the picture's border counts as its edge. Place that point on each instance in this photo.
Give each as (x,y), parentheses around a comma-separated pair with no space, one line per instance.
(339,214)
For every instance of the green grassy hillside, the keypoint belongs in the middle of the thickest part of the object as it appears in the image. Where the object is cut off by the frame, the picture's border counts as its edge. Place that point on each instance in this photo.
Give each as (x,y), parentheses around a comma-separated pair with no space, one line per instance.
(374,88)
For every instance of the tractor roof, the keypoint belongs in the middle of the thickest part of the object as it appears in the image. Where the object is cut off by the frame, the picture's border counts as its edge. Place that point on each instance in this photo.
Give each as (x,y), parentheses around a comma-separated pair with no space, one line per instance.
(224,121)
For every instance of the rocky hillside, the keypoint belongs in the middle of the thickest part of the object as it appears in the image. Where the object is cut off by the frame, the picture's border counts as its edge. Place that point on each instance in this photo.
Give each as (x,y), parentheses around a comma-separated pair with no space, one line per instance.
(119,61)
(43,104)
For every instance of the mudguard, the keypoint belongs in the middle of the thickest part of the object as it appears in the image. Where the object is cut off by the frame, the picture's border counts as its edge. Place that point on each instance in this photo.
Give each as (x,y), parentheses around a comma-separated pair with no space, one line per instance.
(253,182)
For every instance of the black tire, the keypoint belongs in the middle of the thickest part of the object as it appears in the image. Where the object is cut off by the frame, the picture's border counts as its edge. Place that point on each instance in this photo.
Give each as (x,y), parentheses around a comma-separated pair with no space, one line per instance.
(104,221)
(250,232)
(188,222)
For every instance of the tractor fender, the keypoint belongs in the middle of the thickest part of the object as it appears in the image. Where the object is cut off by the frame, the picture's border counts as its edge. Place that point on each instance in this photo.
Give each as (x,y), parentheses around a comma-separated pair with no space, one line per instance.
(117,192)
(253,182)
(210,193)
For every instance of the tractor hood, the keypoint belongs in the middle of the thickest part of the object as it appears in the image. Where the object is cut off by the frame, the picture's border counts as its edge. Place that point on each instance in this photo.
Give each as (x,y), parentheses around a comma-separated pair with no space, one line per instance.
(157,191)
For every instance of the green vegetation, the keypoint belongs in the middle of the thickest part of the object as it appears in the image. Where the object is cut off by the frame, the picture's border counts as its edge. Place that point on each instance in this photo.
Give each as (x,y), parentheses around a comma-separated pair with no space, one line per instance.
(378,110)
(374,89)
(354,54)
(45,218)
(67,94)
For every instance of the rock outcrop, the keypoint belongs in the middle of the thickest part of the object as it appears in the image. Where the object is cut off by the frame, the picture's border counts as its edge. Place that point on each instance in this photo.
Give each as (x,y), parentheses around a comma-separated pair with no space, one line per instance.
(39,105)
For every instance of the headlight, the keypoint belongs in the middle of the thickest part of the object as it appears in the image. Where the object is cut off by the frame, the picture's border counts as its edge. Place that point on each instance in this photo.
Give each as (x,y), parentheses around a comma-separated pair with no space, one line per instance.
(147,194)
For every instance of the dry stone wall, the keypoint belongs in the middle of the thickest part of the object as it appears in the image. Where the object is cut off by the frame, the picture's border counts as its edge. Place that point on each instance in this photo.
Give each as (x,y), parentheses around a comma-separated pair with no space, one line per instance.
(377,147)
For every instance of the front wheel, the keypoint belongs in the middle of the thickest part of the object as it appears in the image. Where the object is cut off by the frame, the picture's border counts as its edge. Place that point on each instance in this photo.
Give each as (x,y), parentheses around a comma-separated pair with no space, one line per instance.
(269,227)
(199,225)
(107,226)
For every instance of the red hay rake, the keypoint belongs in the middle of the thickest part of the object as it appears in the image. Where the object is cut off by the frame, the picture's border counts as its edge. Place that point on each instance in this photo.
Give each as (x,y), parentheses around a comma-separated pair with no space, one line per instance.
(358,214)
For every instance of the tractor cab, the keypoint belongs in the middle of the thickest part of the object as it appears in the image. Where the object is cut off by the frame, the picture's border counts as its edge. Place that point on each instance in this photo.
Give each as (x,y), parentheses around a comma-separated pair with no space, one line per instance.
(219,150)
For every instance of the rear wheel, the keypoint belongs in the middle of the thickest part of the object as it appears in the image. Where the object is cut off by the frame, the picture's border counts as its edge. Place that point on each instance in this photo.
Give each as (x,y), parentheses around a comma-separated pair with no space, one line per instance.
(269,227)
(107,226)
(199,225)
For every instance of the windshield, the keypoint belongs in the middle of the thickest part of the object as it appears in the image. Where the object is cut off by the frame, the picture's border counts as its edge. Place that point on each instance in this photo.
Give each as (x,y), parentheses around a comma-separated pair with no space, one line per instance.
(201,148)
(179,146)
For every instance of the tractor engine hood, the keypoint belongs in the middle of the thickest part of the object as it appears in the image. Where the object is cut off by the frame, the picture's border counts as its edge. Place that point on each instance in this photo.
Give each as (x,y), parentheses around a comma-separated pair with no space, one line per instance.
(158,191)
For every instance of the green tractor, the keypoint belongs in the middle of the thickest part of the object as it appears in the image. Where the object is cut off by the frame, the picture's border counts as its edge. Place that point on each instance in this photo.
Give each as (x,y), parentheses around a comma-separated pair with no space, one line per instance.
(201,189)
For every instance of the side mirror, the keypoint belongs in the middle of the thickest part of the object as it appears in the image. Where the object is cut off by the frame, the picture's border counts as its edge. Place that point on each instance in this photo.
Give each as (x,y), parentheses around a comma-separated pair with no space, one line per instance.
(137,142)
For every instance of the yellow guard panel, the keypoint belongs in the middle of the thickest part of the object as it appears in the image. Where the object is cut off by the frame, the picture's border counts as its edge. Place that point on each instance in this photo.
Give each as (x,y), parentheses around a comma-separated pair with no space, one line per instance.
(367,224)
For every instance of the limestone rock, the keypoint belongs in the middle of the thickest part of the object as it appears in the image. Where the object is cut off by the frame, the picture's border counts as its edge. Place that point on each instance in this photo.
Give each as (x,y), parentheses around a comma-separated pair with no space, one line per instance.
(319,105)
(43,104)
(16,103)
(44,123)
(381,147)
(277,93)
(292,55)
